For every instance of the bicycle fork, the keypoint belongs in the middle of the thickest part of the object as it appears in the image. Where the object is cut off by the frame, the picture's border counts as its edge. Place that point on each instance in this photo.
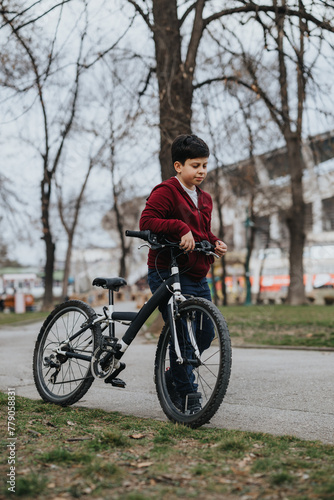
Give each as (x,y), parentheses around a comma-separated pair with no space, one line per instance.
(172,313)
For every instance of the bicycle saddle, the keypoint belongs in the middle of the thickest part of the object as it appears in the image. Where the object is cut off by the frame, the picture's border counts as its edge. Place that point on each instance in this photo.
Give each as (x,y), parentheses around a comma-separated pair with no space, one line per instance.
(110,283)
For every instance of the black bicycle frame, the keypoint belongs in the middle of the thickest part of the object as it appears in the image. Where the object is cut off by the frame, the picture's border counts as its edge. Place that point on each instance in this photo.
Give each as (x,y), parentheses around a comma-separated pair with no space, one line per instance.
(162,294)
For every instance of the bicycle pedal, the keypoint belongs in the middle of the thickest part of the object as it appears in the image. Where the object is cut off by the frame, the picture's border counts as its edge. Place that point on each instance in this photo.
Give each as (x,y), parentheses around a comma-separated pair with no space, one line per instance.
(118,382)
(112,378)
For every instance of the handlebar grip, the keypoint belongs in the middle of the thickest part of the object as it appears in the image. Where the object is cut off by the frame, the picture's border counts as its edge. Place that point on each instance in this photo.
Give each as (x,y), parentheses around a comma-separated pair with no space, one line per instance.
(143,235)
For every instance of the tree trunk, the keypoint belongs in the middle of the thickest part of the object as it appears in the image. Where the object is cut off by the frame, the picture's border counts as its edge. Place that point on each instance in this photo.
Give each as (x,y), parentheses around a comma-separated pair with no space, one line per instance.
(49,244)
(221,231)
(295,222)
(67,267)
(250,236)
(122,263)
(48,273)
(214,289)
(258,297)
(120,227)
(174,81)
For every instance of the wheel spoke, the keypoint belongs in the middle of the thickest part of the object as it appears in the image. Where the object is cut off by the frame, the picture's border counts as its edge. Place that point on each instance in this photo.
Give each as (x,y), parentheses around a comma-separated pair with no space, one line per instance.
(72,375)
(202,386)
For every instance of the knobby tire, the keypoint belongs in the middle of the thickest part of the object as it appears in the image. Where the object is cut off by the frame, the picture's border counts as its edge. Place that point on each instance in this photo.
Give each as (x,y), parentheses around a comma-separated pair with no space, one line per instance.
(75,377)
(217,360)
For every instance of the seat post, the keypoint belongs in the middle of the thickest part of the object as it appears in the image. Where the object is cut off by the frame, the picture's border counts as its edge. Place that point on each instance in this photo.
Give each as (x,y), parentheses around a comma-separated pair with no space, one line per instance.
(111,297)
(111,310)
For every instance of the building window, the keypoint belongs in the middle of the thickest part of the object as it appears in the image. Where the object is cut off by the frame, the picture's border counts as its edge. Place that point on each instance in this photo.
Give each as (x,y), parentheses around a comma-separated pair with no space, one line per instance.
(328,214)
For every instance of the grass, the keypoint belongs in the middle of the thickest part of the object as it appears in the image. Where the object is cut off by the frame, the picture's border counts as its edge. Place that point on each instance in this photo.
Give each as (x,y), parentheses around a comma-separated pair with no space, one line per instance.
(281,325)
(277,325)
(12,318)
(86,453)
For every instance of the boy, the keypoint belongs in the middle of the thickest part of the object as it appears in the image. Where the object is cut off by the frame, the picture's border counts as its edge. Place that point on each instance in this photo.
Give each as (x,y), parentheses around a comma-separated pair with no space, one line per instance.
(179,209)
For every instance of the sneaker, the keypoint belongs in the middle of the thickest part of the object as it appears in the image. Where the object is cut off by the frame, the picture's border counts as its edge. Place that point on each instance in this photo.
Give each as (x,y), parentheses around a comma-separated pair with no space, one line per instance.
(192,403)
(173,394)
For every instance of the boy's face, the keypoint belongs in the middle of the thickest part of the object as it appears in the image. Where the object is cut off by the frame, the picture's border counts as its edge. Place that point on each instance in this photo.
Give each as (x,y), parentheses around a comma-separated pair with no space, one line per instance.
(193,172)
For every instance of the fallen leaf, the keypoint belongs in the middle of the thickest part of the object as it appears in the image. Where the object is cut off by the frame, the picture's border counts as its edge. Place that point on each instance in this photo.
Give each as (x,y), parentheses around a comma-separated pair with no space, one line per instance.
(224,481)
(144,464)
(137,436)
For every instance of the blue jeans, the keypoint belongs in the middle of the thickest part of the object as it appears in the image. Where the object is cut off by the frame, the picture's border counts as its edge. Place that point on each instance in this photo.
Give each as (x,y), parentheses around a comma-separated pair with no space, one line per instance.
(183,376)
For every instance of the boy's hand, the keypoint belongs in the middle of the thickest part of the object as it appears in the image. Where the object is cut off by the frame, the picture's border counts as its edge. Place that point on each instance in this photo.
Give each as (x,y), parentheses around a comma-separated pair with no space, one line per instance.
(187,242)
(221,248)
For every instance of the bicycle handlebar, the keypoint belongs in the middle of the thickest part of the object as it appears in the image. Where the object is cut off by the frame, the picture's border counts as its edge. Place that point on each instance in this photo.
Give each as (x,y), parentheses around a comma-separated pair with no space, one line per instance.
(153,240)
(143,235)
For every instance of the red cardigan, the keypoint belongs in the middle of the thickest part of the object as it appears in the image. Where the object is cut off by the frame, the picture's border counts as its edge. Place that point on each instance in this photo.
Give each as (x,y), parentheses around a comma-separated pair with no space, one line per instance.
(170,210)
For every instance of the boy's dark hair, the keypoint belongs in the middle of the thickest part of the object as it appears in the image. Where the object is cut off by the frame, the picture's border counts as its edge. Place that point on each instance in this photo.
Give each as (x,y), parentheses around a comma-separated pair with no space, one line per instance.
(186,147)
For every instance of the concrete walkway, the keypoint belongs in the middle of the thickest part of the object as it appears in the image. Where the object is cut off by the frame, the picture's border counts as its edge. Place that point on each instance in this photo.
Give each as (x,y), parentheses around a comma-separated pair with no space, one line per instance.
(274,391)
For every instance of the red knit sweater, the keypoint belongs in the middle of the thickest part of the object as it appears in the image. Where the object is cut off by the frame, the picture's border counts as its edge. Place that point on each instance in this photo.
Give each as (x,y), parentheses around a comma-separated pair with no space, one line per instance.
(170,210)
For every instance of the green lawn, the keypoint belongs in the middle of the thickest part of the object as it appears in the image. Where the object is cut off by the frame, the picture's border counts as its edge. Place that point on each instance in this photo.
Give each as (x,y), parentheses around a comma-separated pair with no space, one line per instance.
(12,318)
(84,453)
(281,325)
(310,326)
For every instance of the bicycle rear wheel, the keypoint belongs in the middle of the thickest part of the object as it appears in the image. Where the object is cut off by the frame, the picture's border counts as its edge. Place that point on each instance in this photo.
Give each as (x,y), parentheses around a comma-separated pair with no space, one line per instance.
(62,378)
(191,393)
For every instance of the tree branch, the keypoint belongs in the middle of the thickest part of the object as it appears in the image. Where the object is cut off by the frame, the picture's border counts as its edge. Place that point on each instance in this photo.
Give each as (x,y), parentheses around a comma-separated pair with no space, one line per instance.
(142,13)
(282,10)
(73,110)
(196,36)
(39,89)
(187,12)
(105,52)
(3,12)
(147,81)
(283,82)
(252,87)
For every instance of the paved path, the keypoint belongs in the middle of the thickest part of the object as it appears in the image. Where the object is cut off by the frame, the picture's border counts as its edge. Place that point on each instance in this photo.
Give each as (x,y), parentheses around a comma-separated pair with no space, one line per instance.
(274,391)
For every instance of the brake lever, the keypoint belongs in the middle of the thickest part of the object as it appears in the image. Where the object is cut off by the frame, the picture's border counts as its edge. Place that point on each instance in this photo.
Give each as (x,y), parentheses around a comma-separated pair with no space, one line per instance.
(152,246)
(207,253)
(214,254)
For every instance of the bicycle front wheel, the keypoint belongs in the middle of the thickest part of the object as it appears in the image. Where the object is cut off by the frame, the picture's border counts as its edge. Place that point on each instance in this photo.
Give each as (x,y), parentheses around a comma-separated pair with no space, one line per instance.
(190,393)
(61,366)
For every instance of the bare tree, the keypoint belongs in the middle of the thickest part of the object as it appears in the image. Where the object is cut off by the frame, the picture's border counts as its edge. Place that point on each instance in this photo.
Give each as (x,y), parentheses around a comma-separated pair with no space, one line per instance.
(177,31)
(286,32)
(125,209)
(122,156)
(51,151)
(69,215)
(10,207)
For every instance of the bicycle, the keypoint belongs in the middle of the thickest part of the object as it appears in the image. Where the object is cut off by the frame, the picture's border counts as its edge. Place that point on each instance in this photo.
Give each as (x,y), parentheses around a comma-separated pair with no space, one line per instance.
(72,349)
